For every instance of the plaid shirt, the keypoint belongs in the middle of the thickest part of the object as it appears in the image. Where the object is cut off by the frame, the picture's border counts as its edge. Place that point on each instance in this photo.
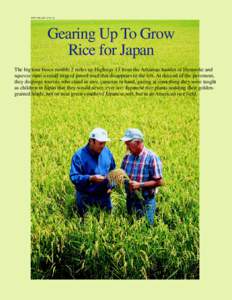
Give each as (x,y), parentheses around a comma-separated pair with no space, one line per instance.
(143,167)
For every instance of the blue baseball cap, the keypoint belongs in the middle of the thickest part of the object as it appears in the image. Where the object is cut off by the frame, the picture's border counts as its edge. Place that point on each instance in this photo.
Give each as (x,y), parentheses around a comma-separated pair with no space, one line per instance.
(132,134)
(99,134)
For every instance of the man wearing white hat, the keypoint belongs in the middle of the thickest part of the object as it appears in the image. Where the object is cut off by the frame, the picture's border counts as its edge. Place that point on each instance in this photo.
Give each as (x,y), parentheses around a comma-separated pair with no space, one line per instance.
(144,169)
(89,167)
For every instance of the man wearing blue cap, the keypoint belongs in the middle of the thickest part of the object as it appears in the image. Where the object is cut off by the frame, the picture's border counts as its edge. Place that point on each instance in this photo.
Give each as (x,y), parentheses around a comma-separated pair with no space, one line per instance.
(89,167)
(144,169)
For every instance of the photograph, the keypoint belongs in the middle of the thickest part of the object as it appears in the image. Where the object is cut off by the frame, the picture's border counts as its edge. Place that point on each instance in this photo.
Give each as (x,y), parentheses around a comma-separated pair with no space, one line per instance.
(115,149)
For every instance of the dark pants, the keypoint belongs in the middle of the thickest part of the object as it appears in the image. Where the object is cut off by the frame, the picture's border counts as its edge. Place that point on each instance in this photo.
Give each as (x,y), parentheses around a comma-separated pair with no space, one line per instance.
(83,201)
(145,204)
(142,207)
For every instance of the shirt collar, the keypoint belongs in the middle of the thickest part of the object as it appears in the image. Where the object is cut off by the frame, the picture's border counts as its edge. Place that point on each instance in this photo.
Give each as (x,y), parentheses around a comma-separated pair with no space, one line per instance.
(143,151)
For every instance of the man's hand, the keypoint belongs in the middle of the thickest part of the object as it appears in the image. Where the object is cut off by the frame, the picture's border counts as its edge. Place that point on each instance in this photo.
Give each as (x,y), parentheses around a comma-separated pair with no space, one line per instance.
(96,178)
(134,185)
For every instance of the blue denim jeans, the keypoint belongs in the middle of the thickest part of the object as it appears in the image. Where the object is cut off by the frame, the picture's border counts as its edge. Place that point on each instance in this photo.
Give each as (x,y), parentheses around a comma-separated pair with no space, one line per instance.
(84,200)
(142,207)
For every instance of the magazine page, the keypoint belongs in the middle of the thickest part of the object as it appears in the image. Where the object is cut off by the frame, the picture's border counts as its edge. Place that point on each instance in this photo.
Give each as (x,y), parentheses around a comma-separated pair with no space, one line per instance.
(133,78)
(110,122)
